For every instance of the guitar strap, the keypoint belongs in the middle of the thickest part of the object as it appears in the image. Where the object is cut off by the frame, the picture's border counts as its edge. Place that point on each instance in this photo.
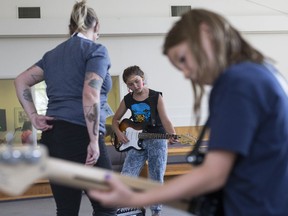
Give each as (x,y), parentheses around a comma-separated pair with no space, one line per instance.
(153,100)
(153,114)
(196,156)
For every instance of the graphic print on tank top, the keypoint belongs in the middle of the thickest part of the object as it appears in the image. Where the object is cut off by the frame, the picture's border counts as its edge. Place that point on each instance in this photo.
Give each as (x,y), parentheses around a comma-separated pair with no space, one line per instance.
(141,112)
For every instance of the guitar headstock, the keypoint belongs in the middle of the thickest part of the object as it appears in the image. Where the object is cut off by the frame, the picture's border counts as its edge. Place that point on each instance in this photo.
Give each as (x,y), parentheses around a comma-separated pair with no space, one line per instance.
(20,167)
(187,139)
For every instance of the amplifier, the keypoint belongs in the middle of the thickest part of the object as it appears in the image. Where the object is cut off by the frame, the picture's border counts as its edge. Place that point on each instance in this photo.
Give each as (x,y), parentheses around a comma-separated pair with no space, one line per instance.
(131,212)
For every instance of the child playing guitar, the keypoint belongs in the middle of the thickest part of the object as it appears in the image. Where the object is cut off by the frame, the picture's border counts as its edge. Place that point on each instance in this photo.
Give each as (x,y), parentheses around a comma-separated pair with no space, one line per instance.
(147,108)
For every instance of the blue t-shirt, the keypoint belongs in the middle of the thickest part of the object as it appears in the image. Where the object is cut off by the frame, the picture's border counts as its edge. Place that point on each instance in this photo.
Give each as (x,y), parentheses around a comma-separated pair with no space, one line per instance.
(249,116)
(64,72)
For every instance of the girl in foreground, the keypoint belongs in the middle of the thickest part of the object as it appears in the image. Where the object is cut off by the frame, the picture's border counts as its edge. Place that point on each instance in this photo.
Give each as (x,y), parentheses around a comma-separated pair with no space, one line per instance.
(248,122)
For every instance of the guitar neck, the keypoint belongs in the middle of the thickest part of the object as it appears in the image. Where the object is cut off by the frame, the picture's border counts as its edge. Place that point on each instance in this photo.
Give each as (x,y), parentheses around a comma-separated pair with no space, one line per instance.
(155,136)
(77,175)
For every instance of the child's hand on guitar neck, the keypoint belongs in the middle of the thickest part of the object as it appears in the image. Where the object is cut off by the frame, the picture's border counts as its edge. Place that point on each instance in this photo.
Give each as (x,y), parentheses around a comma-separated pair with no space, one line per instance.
(173,139)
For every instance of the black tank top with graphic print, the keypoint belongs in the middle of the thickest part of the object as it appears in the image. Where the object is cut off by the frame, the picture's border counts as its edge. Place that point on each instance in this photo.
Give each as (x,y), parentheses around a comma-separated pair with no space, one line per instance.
(145,111)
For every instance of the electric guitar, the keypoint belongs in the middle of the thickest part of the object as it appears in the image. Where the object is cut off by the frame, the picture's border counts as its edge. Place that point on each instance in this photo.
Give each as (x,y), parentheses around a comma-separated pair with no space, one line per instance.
(21,166)
(134,133)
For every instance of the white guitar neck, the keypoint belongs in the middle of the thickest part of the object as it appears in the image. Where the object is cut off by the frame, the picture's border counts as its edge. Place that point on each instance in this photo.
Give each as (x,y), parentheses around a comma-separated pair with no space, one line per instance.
(80,176)
(21,167)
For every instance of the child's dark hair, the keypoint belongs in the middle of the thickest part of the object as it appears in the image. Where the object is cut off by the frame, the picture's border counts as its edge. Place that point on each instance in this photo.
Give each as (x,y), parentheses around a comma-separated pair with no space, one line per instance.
(132,70)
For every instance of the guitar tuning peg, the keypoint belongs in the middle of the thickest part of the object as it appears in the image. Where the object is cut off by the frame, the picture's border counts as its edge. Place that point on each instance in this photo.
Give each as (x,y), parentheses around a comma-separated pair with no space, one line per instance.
(14,156)
(32,155)
(5,156)
(11,156)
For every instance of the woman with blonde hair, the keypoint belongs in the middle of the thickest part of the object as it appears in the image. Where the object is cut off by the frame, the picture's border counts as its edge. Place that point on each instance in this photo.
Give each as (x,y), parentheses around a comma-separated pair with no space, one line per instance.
(247,155)
(76,73)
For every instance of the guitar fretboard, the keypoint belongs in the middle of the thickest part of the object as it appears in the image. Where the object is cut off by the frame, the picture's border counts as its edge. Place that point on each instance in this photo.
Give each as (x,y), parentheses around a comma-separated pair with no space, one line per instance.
(156,136)
(130,211)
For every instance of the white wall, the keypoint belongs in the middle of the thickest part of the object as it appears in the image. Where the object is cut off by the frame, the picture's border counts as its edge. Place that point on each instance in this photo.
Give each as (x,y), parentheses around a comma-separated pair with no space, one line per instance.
(273,45)
(133,32)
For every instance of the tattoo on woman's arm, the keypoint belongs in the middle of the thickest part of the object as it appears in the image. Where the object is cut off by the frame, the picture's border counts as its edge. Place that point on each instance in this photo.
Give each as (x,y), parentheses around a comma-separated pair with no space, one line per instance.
(27,95)
(91,115)
(37,78)
(94,83)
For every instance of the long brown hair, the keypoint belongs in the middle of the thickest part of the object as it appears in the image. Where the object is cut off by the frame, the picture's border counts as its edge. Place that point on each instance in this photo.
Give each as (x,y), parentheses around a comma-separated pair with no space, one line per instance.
(228,44)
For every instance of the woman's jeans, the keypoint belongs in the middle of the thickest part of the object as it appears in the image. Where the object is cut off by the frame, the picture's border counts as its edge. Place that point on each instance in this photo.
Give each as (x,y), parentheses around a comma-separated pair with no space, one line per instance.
(69,142)
(155,152)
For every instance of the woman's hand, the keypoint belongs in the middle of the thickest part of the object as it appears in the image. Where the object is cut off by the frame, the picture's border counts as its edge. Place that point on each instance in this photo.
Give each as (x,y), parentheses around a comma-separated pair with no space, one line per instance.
(40,122)
(93,154)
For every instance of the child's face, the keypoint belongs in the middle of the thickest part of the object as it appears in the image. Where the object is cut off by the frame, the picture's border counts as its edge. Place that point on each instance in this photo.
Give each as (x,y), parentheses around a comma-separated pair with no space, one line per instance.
(183,59)
(135,83)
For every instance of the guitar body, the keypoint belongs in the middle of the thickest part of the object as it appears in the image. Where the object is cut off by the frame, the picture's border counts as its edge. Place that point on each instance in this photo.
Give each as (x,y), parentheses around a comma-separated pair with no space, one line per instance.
(131,130)
(126,123)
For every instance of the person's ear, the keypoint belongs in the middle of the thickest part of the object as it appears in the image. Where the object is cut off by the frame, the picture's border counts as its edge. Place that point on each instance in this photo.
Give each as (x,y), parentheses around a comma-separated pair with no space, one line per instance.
(96,28)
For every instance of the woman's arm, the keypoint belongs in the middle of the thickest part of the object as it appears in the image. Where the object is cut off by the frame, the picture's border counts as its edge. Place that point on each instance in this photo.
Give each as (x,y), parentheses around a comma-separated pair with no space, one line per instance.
(208,177)
(91,107)
(115,122)
(23,84)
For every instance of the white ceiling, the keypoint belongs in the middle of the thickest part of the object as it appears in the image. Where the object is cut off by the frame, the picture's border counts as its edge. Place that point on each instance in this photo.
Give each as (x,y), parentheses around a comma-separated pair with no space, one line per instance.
(245,7)
(275,6)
